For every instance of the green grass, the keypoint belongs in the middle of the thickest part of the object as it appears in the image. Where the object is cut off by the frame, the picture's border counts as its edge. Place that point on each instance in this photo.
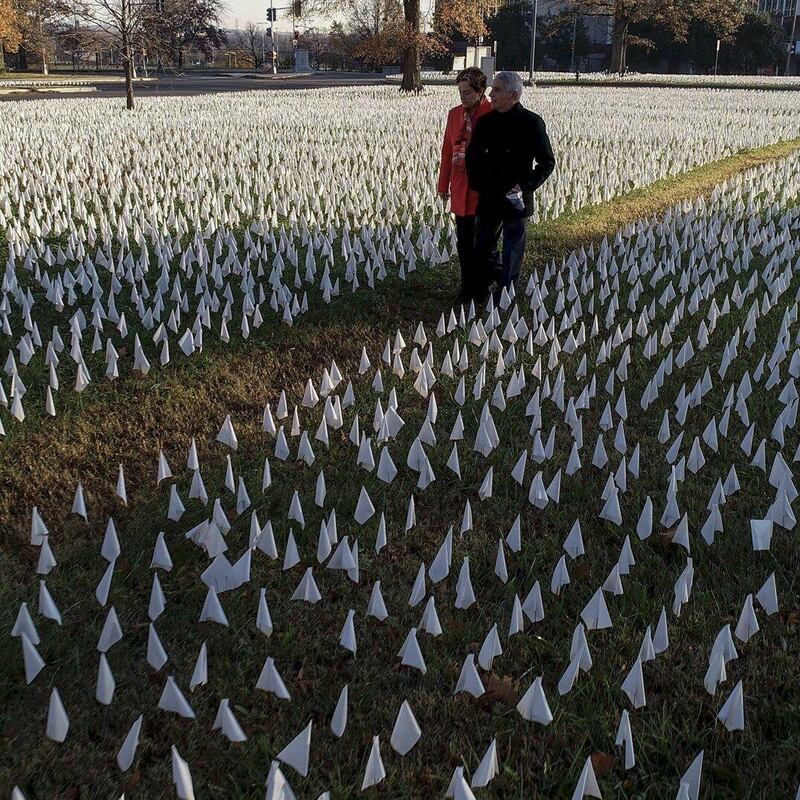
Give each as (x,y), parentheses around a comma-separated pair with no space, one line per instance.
(127,421)
(134,414)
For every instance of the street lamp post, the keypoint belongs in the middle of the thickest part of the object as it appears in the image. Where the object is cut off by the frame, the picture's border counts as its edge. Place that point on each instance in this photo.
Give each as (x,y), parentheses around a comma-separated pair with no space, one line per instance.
(716,60)
(572,63)
(535,4)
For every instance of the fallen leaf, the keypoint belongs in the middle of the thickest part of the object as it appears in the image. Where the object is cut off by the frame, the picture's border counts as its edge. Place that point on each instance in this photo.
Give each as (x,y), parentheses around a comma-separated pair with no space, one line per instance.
(500,688)
(602,763)
(133,781)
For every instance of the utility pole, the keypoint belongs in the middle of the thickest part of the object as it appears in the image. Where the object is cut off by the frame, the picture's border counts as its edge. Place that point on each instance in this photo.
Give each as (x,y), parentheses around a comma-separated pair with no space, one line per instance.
(272,36)
(535,5)
(716,60)
(790,46)
(572,66)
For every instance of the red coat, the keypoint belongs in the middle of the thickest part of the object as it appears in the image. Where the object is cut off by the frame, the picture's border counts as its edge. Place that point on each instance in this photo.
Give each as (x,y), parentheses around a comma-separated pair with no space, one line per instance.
(453,175)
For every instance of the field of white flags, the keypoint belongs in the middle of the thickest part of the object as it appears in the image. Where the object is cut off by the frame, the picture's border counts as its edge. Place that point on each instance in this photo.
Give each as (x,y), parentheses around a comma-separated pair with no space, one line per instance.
(136,240)
(542,549)
(547,77)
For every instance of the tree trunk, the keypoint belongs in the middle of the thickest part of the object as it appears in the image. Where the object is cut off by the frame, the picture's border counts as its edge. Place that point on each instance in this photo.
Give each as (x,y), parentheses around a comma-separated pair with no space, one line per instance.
(2,59)
(127,55)
(128,80)
(412,81)
(22,59)
(619,45)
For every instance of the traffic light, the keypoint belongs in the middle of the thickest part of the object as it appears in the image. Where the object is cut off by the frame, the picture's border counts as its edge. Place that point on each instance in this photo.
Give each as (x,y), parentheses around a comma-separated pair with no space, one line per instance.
(272,14)
(297,8)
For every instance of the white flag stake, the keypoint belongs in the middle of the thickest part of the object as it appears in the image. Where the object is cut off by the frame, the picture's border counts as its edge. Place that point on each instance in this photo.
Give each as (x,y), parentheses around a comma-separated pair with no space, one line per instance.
(406,732)
(127,752)
(624,740)
(375,772)
(57,720)
(339,719)
(296,753)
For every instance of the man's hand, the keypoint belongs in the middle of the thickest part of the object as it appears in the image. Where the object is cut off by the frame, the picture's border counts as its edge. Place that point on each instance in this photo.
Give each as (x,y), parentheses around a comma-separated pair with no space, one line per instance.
(444,196)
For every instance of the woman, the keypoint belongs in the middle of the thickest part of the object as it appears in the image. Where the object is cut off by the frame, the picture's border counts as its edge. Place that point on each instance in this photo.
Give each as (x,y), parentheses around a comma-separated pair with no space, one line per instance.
(461,120)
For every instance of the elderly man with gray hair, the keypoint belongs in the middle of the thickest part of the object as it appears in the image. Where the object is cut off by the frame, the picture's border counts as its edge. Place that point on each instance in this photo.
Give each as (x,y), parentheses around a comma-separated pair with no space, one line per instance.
(508,159)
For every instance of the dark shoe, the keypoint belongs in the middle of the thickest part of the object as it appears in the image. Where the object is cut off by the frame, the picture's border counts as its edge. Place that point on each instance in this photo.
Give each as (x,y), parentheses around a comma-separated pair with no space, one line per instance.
(462,298)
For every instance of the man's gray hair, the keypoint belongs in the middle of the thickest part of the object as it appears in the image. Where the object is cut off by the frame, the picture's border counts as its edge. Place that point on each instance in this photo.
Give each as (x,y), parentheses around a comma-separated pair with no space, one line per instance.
(511,82)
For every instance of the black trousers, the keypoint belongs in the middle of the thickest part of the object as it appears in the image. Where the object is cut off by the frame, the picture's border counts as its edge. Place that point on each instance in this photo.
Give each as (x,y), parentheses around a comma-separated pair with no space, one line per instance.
(503,266)
(465,245)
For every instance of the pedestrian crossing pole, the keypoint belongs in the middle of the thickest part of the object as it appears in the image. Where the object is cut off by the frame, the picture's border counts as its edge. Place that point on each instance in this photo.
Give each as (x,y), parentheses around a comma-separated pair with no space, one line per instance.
(272,36)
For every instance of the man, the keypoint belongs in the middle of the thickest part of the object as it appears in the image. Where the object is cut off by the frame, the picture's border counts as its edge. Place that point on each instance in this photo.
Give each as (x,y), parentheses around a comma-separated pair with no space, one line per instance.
(500,167)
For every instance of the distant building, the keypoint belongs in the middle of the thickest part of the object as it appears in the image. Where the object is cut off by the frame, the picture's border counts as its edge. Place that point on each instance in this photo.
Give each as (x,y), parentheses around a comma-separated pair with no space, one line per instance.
(787,12)
(777,7)
(599,28)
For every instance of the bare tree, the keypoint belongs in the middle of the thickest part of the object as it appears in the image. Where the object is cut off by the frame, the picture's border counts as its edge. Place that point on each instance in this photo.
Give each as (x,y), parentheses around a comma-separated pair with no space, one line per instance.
(250,42)
(77,40)
(126,22)
(368,18)
(312,12)
(184,24)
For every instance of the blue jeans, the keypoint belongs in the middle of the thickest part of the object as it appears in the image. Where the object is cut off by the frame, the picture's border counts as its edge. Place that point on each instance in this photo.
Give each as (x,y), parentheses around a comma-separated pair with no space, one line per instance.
(491,266)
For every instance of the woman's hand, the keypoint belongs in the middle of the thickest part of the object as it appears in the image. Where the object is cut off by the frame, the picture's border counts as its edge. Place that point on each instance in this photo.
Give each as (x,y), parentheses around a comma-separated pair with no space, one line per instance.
(444,196)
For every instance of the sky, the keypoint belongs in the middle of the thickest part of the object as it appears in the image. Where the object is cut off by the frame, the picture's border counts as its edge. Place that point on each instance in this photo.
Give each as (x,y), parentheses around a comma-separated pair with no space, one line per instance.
(243,11)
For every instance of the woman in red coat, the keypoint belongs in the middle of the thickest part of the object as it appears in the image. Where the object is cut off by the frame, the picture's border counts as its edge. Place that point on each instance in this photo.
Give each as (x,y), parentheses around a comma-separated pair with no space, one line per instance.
(461,121)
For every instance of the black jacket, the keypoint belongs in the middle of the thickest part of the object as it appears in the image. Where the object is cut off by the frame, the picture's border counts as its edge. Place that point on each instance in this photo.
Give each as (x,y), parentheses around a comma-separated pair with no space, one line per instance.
(501,156)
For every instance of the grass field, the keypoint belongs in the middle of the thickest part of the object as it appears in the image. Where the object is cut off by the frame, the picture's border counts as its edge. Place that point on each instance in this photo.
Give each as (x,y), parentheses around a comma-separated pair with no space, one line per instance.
(128,421)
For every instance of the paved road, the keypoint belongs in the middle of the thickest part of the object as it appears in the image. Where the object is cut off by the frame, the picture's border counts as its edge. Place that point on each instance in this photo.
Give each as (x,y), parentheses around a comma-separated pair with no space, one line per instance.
(193,84)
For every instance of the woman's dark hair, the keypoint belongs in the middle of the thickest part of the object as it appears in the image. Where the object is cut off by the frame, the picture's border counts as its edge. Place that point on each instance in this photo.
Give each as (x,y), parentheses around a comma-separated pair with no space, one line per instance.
(474,77)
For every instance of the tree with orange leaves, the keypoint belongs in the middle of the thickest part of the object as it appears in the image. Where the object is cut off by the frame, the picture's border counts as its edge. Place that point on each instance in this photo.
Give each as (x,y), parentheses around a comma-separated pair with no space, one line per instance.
(467,17)
(11,26)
